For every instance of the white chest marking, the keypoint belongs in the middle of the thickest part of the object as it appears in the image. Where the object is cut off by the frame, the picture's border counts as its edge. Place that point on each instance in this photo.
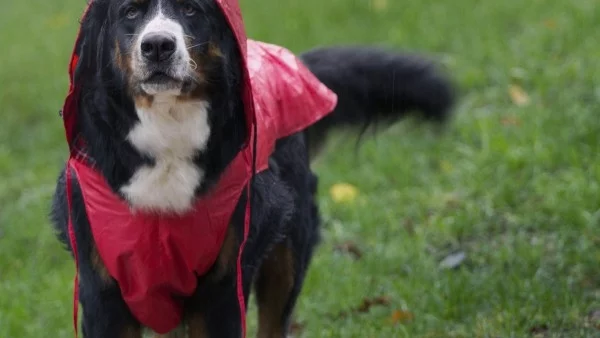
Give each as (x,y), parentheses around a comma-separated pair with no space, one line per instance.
(171,133)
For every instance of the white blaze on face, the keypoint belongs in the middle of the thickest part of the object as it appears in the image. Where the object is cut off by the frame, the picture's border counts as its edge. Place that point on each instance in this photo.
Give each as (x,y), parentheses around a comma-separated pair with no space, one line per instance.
(179,67)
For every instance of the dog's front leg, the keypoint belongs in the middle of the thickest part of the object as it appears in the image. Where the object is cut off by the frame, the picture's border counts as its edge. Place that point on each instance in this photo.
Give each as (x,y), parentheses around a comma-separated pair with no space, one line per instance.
(215,310)
(105,313)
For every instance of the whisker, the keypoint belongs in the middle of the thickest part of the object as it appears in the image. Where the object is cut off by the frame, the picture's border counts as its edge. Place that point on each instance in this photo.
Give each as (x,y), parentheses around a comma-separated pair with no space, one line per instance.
(197,45)
(193,64)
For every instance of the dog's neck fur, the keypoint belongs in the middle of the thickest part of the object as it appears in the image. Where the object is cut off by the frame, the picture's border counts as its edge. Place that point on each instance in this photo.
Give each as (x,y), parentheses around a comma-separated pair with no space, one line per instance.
(171,133)
(166,155)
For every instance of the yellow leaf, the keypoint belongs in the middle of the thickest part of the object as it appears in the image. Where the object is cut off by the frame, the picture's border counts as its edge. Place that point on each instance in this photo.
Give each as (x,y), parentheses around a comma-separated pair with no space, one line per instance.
(518,95)
(379,5)
(511,121)
(550,23)
(343,192)
(58,21)
(401,316)
(446,166)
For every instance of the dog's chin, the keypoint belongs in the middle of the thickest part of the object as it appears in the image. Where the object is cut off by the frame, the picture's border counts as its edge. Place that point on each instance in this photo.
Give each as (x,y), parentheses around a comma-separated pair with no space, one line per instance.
(162,84)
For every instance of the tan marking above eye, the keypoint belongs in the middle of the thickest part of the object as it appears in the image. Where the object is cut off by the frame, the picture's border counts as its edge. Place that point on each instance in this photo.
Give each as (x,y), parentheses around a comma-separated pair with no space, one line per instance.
(214,50)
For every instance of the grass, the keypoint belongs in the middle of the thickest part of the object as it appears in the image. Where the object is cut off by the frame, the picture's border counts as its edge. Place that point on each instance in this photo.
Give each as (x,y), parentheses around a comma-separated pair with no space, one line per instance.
(516,188)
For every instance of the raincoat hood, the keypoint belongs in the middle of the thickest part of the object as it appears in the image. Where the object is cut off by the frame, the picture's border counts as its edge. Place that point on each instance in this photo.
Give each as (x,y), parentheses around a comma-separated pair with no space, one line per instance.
(156,258)
(231,10)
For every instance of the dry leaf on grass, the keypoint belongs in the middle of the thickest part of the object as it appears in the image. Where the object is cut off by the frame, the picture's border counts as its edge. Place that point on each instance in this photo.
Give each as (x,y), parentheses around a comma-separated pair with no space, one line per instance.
(401,316)
(368,303)
(539,330)
(296,329)
(446,166)
(58,21)
(511,121)
(343,192)
(365,306)
(594,318)
(379,5)
(349,248)
(409,225)
(518,95)
(550,23)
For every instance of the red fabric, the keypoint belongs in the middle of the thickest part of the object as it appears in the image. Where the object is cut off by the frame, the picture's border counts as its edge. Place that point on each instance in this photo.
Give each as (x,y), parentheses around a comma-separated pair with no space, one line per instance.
(156,258)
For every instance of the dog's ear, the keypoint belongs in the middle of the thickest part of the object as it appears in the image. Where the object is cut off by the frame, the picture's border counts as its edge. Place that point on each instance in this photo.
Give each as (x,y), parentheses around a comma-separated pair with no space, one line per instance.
(91,42)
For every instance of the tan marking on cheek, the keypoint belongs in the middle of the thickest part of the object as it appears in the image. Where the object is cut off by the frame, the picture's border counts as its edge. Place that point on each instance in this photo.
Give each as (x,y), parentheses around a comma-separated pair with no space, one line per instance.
(214,51)
(118,55)
(100,268)
(198,63)
(143,101)
(123,60)
(198,92)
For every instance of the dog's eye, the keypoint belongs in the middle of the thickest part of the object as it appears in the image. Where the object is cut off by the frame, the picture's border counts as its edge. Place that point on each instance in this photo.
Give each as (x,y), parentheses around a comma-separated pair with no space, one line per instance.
(188,9)
(132,12)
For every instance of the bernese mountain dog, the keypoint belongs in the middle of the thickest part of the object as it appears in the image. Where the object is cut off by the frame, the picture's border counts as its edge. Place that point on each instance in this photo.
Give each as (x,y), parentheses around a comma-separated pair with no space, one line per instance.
(162,113)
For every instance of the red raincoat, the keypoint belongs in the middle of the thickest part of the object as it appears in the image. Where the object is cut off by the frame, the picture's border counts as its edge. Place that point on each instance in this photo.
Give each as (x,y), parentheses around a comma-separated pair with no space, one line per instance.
(157,258)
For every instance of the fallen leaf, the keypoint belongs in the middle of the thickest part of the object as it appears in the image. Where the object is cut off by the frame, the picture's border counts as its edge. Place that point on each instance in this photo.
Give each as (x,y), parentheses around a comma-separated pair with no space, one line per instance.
(401,316)
(594,318)
(453,261)
(368,303)
(511,121)
(539,330)
(364,306)
(518,95)
(350,248)
(379,5)
(343,192)
(451,200)
(296,329)
(446,166)
(550,23)
(409,225)
(58,21)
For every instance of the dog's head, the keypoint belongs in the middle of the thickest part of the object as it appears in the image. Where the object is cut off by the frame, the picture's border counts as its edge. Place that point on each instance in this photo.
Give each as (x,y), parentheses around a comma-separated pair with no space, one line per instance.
(164,45)
(159,46)
(132,52)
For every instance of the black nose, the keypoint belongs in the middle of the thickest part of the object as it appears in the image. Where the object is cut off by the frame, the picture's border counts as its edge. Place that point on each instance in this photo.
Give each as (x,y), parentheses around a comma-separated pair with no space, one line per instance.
(157,47)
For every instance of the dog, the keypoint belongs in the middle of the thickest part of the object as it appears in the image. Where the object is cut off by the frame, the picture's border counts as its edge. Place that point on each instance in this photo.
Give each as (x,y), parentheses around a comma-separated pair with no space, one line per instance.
(162,110)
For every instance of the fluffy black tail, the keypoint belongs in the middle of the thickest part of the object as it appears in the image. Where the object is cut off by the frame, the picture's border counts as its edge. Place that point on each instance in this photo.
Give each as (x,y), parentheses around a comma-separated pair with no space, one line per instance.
(377,85)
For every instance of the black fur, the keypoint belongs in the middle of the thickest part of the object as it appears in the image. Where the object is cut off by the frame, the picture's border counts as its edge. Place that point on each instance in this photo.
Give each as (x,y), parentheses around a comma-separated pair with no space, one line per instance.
(372,85)
(376,86)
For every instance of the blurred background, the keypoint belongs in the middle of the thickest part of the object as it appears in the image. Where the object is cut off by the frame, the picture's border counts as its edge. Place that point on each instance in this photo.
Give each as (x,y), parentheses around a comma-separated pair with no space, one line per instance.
(490,229)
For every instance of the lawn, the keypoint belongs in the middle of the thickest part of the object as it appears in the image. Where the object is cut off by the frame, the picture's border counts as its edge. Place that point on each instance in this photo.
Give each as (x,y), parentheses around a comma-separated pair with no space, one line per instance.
(513,185)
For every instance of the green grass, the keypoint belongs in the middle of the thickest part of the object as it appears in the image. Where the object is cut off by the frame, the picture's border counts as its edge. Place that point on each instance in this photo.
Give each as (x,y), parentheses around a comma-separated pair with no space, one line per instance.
(516,188)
